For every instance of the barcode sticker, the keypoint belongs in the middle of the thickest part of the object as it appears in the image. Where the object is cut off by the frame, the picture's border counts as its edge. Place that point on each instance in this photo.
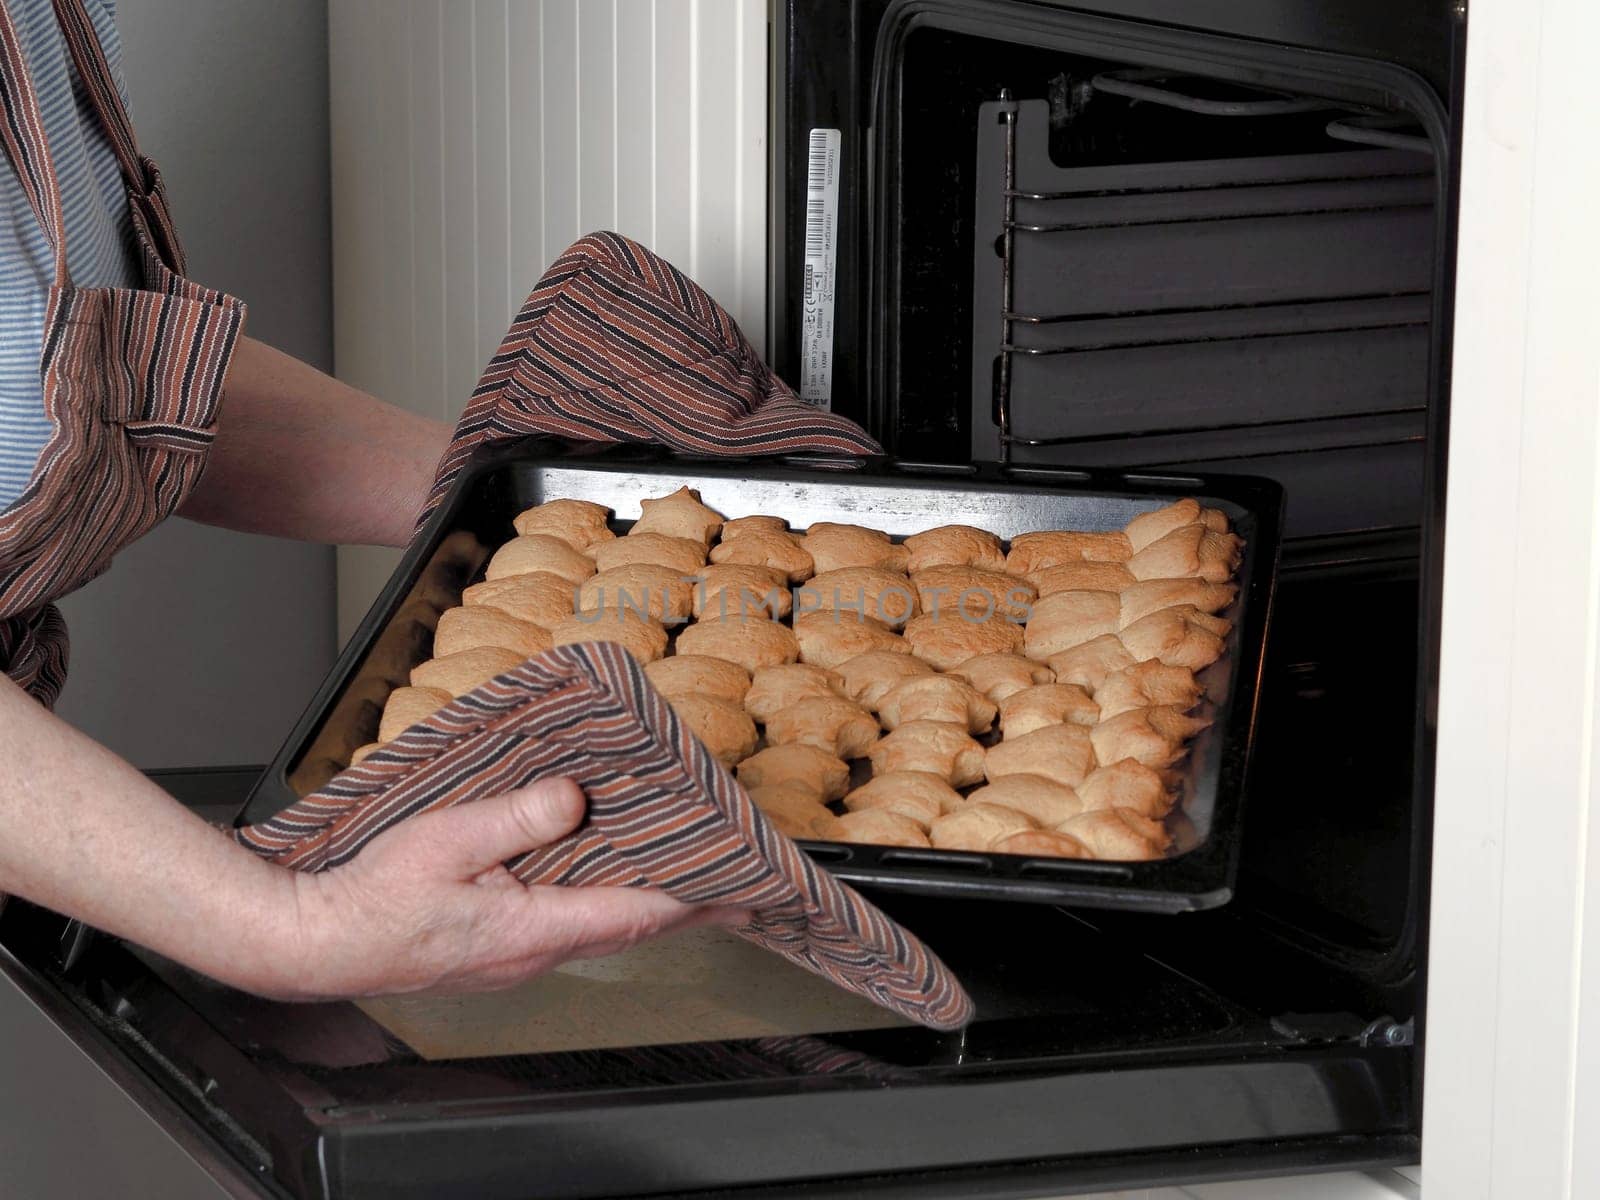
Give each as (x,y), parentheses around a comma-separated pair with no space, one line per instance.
(817,280)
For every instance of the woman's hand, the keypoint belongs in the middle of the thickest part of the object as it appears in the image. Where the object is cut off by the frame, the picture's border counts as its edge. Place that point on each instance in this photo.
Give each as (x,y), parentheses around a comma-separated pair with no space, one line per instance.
(427,905)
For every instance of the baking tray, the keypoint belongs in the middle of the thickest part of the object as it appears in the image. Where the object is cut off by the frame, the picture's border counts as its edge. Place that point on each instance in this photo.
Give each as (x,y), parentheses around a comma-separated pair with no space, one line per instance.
(901,498)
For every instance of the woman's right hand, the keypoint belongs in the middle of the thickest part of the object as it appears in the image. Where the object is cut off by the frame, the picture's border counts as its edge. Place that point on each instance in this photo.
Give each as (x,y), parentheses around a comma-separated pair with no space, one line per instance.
(427,906)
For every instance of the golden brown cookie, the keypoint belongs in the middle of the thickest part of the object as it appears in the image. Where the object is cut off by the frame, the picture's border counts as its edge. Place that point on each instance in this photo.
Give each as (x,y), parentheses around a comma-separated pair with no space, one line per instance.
(833,546)
(1154,525)
(773,689)
(1126,783)
(877,827)
(408,705)
(1069,619)
(1082,577)
(1041,843)
(919,795)
(1153,736)
(678,515)
(793,808)
(1041,798)
(539,598)
(1064,753)
(752,644)
(1152,595)
(1031,552)
(1145,684)
(947,641)
(1000,675)
(868,677)
(641,637)
(932,746)
(1088,665)
(952,591)
(832,639)
(825,776)
(884,596)
(937,698)
(782,552)
(954,546)
(464,670)
(724,729)
(1118,834)
(832,723)
(579,523)
(684,555)
(699,675)
(741,590)
(1044,705)
(742,525)
(1180,637)
(469,628)
(978,827)
(644,589)
(539,552)
(1192,550)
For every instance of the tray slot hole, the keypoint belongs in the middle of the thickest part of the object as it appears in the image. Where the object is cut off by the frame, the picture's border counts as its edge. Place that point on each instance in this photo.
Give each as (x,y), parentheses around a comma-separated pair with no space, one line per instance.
(823,462)
(970,864)
(930,468)
(1072,868)
(826,853)
(1048,474)
(1183,481)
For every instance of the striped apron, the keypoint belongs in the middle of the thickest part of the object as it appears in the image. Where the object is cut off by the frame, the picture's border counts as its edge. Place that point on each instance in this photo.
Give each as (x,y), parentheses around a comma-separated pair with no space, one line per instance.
(131,377)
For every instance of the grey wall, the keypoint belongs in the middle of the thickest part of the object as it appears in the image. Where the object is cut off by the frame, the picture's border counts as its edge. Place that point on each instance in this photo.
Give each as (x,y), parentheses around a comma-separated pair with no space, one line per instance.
(200,647)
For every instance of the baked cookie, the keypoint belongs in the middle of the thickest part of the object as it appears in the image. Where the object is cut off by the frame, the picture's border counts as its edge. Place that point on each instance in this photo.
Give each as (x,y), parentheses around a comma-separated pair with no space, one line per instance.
(464,670)
(1153,736)
(977,827)
(831,723)
(1154,525)
(882,595)
(684,555)
(1090,664)
(948,641)
(539,552)
(408,705)
(1044,705)
(773,689)
(782,552)
(792,808)
(539,598)
(833,546)
(1032,552)
(937,698)
(678,515)
(868,677)
(826,777)
(752,644)
(932,746)
(724,729)
(1000,675)
(831,639)
(919,795)
(1145,684)
(1118,834)
(1041,843)
(742,525)
(1126,783)
(579,523)
(954,591)
(877,827)
(1082,577)
(1064,753)
(643,589)
(1044,800)
(1069,619)
(741,590)
(468,628)
(699,675)
(954,546)
(1152,595)
(1192,550)
(641,637)
(1180,637)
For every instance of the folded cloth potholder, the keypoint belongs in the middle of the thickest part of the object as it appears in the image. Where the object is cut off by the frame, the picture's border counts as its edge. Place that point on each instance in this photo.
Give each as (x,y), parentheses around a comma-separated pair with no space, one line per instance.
(663,813)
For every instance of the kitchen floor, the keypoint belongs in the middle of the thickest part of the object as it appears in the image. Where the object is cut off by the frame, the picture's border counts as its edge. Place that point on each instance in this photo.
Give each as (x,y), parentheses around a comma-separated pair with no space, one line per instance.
(1402,1183)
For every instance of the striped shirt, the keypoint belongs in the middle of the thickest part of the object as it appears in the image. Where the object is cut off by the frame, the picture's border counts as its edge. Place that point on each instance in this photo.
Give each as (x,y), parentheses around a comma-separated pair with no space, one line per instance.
(99,233)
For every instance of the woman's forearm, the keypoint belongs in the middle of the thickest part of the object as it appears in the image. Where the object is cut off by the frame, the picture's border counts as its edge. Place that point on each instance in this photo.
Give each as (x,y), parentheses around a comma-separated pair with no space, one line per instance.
(300,455)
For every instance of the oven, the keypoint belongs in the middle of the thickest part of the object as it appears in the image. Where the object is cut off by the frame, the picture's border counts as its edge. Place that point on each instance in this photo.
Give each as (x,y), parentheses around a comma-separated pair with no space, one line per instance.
(1045,236)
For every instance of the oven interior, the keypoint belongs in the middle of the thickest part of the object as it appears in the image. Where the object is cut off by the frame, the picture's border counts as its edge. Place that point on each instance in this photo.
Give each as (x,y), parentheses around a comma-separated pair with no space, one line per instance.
(1218,283)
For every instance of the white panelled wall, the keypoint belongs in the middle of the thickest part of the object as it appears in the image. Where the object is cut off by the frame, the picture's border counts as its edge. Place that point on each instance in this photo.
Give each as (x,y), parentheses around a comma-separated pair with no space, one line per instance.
(474,140)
